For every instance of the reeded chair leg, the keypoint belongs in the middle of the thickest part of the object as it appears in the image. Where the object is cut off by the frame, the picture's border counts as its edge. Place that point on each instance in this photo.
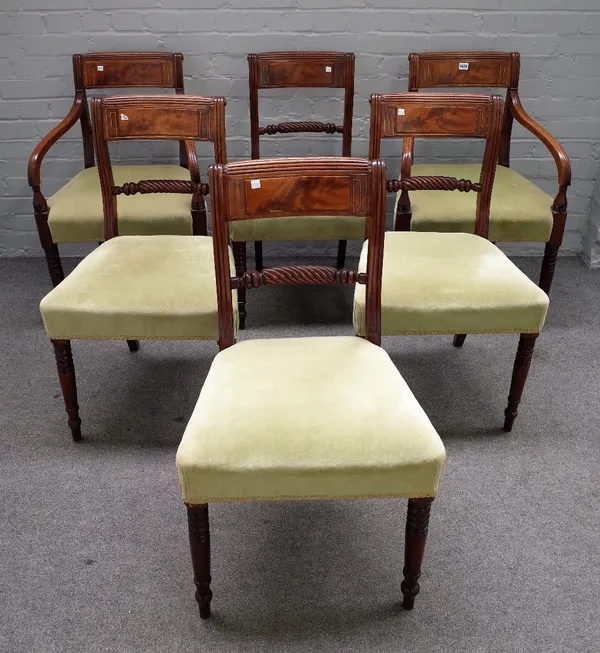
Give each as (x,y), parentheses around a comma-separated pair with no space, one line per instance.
(548,265)
(519,376)
(54,264)
(417,522)
(66,375)
(239,256)
(258,255)
(341,254)
(133,345)
(459,339)
(199,531)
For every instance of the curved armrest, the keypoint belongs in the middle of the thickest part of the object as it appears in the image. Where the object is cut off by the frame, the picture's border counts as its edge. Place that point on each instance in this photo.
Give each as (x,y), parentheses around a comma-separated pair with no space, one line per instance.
(192,160)
(35,160)
(407,156)
(563,164)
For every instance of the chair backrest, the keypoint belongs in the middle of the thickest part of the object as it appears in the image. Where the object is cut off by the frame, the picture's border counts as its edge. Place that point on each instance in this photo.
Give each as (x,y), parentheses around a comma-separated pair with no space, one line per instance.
(440,115)
(295,187)
(98,70)
(269,70)
(185,118)
(428,70)
(128,70)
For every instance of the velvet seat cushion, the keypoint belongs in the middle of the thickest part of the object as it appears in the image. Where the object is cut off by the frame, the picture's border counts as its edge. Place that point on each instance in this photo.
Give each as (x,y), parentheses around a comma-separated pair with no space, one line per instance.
(301,228)
(319,418)
(138,287)
(450,283)
(519,211)
(76,214)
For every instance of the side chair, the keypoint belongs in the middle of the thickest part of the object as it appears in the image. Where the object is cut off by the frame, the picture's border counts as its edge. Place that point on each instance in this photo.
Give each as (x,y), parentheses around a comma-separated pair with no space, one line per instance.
(451,283)
(519,210)
(74,213)
(273,70)
(313,418)
(158,287)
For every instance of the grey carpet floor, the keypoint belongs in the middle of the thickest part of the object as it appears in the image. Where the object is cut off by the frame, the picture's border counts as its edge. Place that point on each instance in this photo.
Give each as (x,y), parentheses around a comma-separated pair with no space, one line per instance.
(93,542)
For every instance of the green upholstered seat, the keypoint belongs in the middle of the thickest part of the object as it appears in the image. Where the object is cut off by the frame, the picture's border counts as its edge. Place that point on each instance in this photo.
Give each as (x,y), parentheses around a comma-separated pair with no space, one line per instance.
(520,211)
(302,228)
(451,283)
(76,213)
(138,287)
(307,418)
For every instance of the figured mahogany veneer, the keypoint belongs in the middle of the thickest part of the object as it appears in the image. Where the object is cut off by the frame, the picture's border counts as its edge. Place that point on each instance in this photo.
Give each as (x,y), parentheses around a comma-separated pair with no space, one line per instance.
(98,70)
(139,70)
(293,187)
(156,117)
(493,70)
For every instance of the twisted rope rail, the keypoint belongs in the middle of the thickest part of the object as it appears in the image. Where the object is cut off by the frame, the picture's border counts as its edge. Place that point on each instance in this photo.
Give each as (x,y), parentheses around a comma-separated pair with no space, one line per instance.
(299,274)
(295,127)
(160,186)
(432,183)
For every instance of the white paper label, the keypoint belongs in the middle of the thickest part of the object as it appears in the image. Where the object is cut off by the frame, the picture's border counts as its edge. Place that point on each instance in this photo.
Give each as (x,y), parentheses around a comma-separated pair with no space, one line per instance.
(400,112)
(255,183)
(327,69)
(124,117)
(100,68)
(463,66)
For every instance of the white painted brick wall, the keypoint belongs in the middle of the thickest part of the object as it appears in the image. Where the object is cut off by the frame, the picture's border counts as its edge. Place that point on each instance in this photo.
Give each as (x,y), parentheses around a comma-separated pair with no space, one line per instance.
(558,41)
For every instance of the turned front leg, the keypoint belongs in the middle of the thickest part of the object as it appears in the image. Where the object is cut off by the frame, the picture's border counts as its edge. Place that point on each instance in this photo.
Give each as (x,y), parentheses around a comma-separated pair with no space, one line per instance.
(417,523)
(199,531)
(66,376)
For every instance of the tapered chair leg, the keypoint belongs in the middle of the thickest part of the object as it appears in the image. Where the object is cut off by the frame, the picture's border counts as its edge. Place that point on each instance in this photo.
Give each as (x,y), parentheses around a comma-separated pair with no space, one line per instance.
(417,522)
(133,345)
(239,256)
(548,265)
(66,375)
(199,530)
(341,254)
(258,255)
(519,376)
(459,339)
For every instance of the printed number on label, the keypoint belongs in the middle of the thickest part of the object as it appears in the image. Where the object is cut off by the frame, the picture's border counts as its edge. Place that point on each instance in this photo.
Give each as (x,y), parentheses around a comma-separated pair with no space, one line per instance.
(400,112)
(255,183)
(124,117)
(327,69)
(463,66)
(101,68)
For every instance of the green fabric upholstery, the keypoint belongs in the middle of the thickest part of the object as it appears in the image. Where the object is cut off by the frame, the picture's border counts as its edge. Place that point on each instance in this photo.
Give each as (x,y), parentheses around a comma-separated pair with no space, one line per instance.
(307,418)
(139,287)
(76,213)
(304,228)
(520,211)
(450,283)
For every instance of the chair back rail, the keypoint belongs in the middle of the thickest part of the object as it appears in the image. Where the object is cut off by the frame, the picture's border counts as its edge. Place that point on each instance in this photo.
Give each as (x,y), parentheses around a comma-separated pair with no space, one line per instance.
(269,70)
(463,69)
(440,115)
(184,118)
(294,187)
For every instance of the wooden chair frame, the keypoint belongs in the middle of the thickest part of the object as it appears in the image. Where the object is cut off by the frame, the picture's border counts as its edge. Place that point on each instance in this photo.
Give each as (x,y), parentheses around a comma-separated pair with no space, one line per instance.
(295,187)
(430,70)
(465,116)
(185,118)
(92,71)
(269,70)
